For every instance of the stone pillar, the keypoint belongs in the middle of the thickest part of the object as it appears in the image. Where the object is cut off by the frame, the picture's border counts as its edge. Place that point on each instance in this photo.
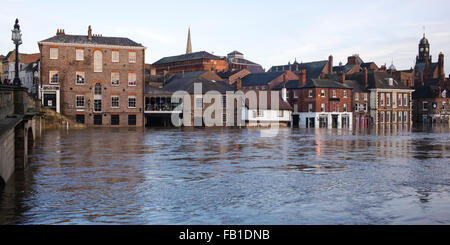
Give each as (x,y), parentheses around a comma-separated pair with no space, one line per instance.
(339,121)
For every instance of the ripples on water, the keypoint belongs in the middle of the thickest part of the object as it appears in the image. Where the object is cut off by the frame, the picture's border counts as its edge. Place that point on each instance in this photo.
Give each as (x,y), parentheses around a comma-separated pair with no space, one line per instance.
(232,176)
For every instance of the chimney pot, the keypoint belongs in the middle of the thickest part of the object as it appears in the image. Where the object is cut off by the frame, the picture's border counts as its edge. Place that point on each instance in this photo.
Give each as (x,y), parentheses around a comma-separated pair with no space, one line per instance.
(89,33)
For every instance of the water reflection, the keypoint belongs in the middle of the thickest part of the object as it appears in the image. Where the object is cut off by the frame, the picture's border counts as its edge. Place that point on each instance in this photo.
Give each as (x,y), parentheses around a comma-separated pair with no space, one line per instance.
(232,176)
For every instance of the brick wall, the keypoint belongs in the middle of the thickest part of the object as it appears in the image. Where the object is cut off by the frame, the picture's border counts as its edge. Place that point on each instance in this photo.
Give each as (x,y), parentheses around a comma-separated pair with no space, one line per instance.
(67,66)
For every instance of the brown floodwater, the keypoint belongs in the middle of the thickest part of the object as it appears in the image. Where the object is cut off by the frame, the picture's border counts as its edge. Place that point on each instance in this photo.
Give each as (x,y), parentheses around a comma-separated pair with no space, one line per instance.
(233,176)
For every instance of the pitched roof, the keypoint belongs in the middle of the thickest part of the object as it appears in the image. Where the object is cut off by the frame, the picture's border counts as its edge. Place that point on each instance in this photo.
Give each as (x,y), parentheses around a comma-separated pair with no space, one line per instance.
(313,69)
(186,57)
(324,83)
(345,68)
(227,74)
(291,84)
(355,85)
(423,92)
(23,58)
(96,40)
(235,53)
(251,66)
(262,78)
(377,79)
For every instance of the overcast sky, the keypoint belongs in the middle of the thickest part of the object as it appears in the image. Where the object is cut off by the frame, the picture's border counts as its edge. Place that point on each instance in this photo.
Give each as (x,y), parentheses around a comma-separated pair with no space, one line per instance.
(267,32)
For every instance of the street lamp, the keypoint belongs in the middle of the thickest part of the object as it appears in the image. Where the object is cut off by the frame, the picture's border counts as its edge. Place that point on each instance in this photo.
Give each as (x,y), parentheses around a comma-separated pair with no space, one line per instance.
(17,39)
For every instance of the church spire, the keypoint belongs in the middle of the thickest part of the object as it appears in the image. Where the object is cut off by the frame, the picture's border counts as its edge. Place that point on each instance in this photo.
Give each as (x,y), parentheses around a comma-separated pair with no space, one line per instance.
(189,44)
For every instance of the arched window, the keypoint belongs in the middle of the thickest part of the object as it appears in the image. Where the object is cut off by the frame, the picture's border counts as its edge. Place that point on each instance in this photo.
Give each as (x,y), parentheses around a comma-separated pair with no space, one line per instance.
(98,60)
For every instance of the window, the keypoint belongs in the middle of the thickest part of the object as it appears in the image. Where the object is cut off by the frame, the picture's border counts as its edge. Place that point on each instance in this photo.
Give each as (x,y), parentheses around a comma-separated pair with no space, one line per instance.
(132,56)
(54,77)
(388,99)
(131,101)
(79,118)
(425,105)
(310,93)
(80,78)
(115,101)
(97,119)
(53,53)
(399,116)
(365,107)
(399,99)
(131,119)
(356,96)
(382,99)
(394,116)
(115,57)
(345,107)
(322,93)
(335,107)
(405,99)
(132,79)
(97,105)
(98,89)
(98,60)
(79,54)
(334,93)
(345,93)
(115,119)
(322,107)
(295,94)
(310,107)
(388,116)
(405,116)
(79,101)
(295,108)
(365,96)
(382,117)
(115,78)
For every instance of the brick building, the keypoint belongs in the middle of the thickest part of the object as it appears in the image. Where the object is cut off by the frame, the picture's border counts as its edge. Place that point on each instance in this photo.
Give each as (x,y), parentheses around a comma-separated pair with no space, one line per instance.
(93,79)
(190,62)
(266,80)
(390,101)
(325,103)
(431,99)
(236,61)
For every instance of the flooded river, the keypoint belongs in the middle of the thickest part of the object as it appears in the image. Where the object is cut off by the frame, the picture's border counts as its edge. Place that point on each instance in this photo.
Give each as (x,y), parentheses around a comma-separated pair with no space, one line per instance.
(232,176)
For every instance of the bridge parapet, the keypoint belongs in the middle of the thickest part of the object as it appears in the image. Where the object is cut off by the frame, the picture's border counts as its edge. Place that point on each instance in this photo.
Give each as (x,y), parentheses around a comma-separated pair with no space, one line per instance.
(19,126)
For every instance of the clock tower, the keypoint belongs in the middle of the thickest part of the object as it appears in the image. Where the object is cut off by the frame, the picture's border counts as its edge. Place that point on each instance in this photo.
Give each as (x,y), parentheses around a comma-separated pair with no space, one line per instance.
(424,51)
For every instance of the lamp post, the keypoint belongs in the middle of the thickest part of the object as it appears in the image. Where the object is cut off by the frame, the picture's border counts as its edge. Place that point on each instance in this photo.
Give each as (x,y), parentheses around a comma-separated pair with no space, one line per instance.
(17,39)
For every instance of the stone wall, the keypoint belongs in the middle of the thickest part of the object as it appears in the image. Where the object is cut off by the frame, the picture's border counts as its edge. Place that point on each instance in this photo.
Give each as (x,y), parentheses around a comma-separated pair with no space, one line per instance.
(6,156)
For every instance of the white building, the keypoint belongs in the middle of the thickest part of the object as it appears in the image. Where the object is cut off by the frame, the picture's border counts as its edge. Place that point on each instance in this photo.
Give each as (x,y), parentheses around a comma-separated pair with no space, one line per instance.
(268,115)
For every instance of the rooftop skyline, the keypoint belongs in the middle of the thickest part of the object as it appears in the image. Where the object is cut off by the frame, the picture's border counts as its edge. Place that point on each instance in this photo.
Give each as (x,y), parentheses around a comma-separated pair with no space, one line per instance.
(266,33)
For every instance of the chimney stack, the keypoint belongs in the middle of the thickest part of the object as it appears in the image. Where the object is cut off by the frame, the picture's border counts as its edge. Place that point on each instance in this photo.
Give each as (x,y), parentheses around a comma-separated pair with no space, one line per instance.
(90,33)
(330,64)
(441,66)
(60,32)
(366,78)
(302,78)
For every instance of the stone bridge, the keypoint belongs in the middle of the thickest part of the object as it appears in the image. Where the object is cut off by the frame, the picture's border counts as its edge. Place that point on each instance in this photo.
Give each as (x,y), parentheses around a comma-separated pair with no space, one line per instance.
(20,125)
